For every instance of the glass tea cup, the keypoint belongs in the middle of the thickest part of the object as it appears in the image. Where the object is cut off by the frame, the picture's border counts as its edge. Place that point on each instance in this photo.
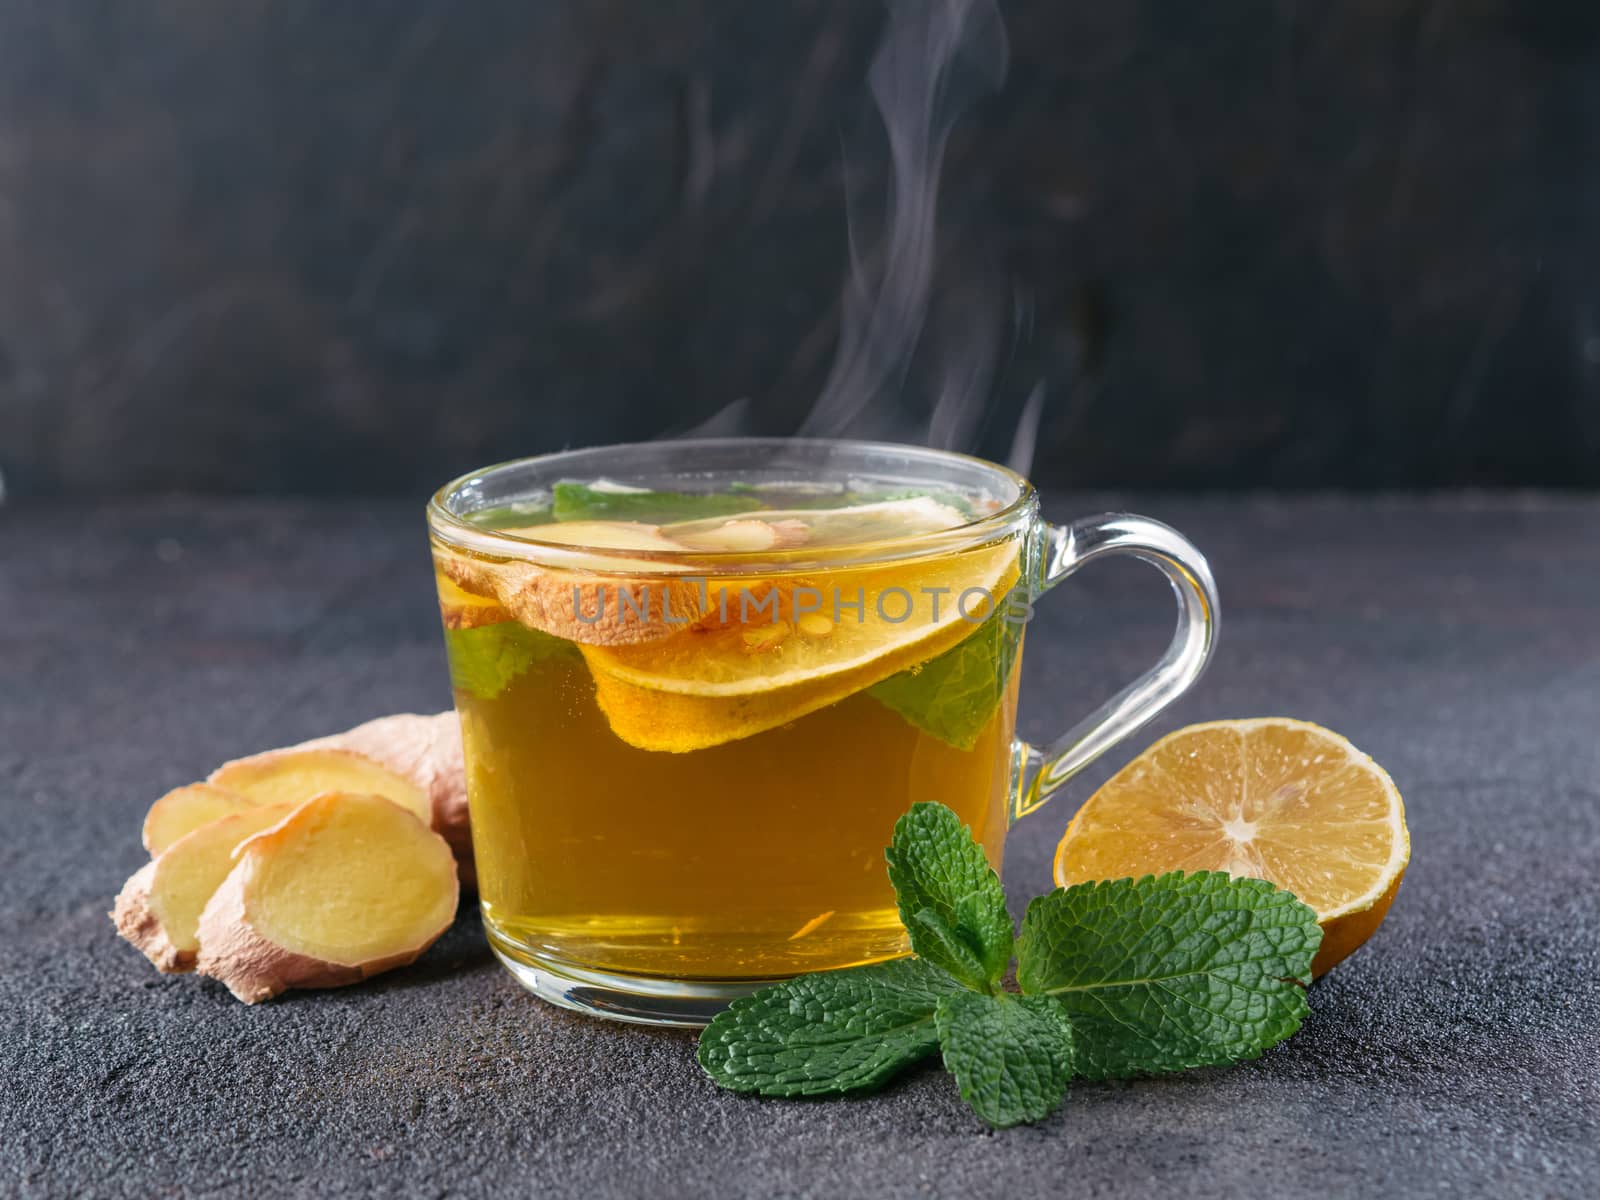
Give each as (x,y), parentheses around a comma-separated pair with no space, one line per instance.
(699,681)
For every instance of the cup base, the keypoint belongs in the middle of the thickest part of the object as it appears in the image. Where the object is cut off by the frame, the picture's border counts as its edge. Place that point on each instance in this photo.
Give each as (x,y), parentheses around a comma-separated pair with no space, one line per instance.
(636,999)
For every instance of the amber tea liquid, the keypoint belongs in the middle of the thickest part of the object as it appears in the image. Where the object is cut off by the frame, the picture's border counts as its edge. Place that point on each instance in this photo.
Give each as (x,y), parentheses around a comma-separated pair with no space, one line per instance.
(708,797)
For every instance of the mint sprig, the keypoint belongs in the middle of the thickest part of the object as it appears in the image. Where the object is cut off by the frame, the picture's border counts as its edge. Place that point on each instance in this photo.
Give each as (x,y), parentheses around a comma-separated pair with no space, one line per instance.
(1119,978)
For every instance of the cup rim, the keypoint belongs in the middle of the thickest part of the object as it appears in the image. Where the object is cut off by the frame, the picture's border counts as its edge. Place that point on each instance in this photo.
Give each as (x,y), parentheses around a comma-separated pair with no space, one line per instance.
(459,531)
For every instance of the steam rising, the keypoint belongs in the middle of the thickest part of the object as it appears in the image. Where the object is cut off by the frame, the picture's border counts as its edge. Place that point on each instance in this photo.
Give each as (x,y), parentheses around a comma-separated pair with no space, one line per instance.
(936,59)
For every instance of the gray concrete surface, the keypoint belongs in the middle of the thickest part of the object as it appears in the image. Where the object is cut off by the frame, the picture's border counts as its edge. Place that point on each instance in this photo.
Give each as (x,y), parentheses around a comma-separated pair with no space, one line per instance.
(1458,640)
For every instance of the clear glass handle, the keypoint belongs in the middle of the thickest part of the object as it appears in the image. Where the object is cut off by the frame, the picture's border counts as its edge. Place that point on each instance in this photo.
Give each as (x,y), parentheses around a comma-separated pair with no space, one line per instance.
(1068,547)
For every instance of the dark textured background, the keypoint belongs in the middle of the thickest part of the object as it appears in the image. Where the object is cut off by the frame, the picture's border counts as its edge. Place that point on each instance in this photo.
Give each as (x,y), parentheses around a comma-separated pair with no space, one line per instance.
(292,245)
(1458,1054)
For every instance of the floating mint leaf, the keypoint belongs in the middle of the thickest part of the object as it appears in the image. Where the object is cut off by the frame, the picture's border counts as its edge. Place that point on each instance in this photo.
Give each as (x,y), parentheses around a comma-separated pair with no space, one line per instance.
(954,695)
(484,661)
(950,899)
(840,1031)
(580,502)
(1170,972)
(1011,1055)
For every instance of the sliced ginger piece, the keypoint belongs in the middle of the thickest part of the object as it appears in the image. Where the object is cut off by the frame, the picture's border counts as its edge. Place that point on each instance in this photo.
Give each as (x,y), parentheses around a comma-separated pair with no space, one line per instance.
(345,887)
(597,610)
(158,909)
(576,605)
(427,751)
(424,750)
(748,535)
(832,527)
(599,535)
(183,810)
(461,609)
(295,775)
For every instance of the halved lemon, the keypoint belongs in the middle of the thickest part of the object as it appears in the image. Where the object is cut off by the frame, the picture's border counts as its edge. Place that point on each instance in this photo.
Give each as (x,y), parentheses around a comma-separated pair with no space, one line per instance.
(770,651)
(1271,798)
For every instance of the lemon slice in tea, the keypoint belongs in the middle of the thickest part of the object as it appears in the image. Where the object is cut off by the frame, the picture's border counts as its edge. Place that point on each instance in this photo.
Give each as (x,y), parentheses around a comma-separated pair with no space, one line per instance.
(1273,798)
(772,650)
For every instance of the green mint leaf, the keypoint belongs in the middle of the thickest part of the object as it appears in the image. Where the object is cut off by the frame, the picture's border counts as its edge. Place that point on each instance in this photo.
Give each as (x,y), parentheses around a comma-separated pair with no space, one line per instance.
(484,661)
(954,695)
(839,1031)
(949,896)
(1170,972)
(1011,1055)
(940,942)
(579,502)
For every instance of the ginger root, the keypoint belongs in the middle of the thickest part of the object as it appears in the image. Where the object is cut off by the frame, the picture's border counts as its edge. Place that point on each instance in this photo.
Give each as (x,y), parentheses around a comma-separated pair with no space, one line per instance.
(158,909)
(409,764)
(426,751)
(295,775)
(183,810)
(344,887)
